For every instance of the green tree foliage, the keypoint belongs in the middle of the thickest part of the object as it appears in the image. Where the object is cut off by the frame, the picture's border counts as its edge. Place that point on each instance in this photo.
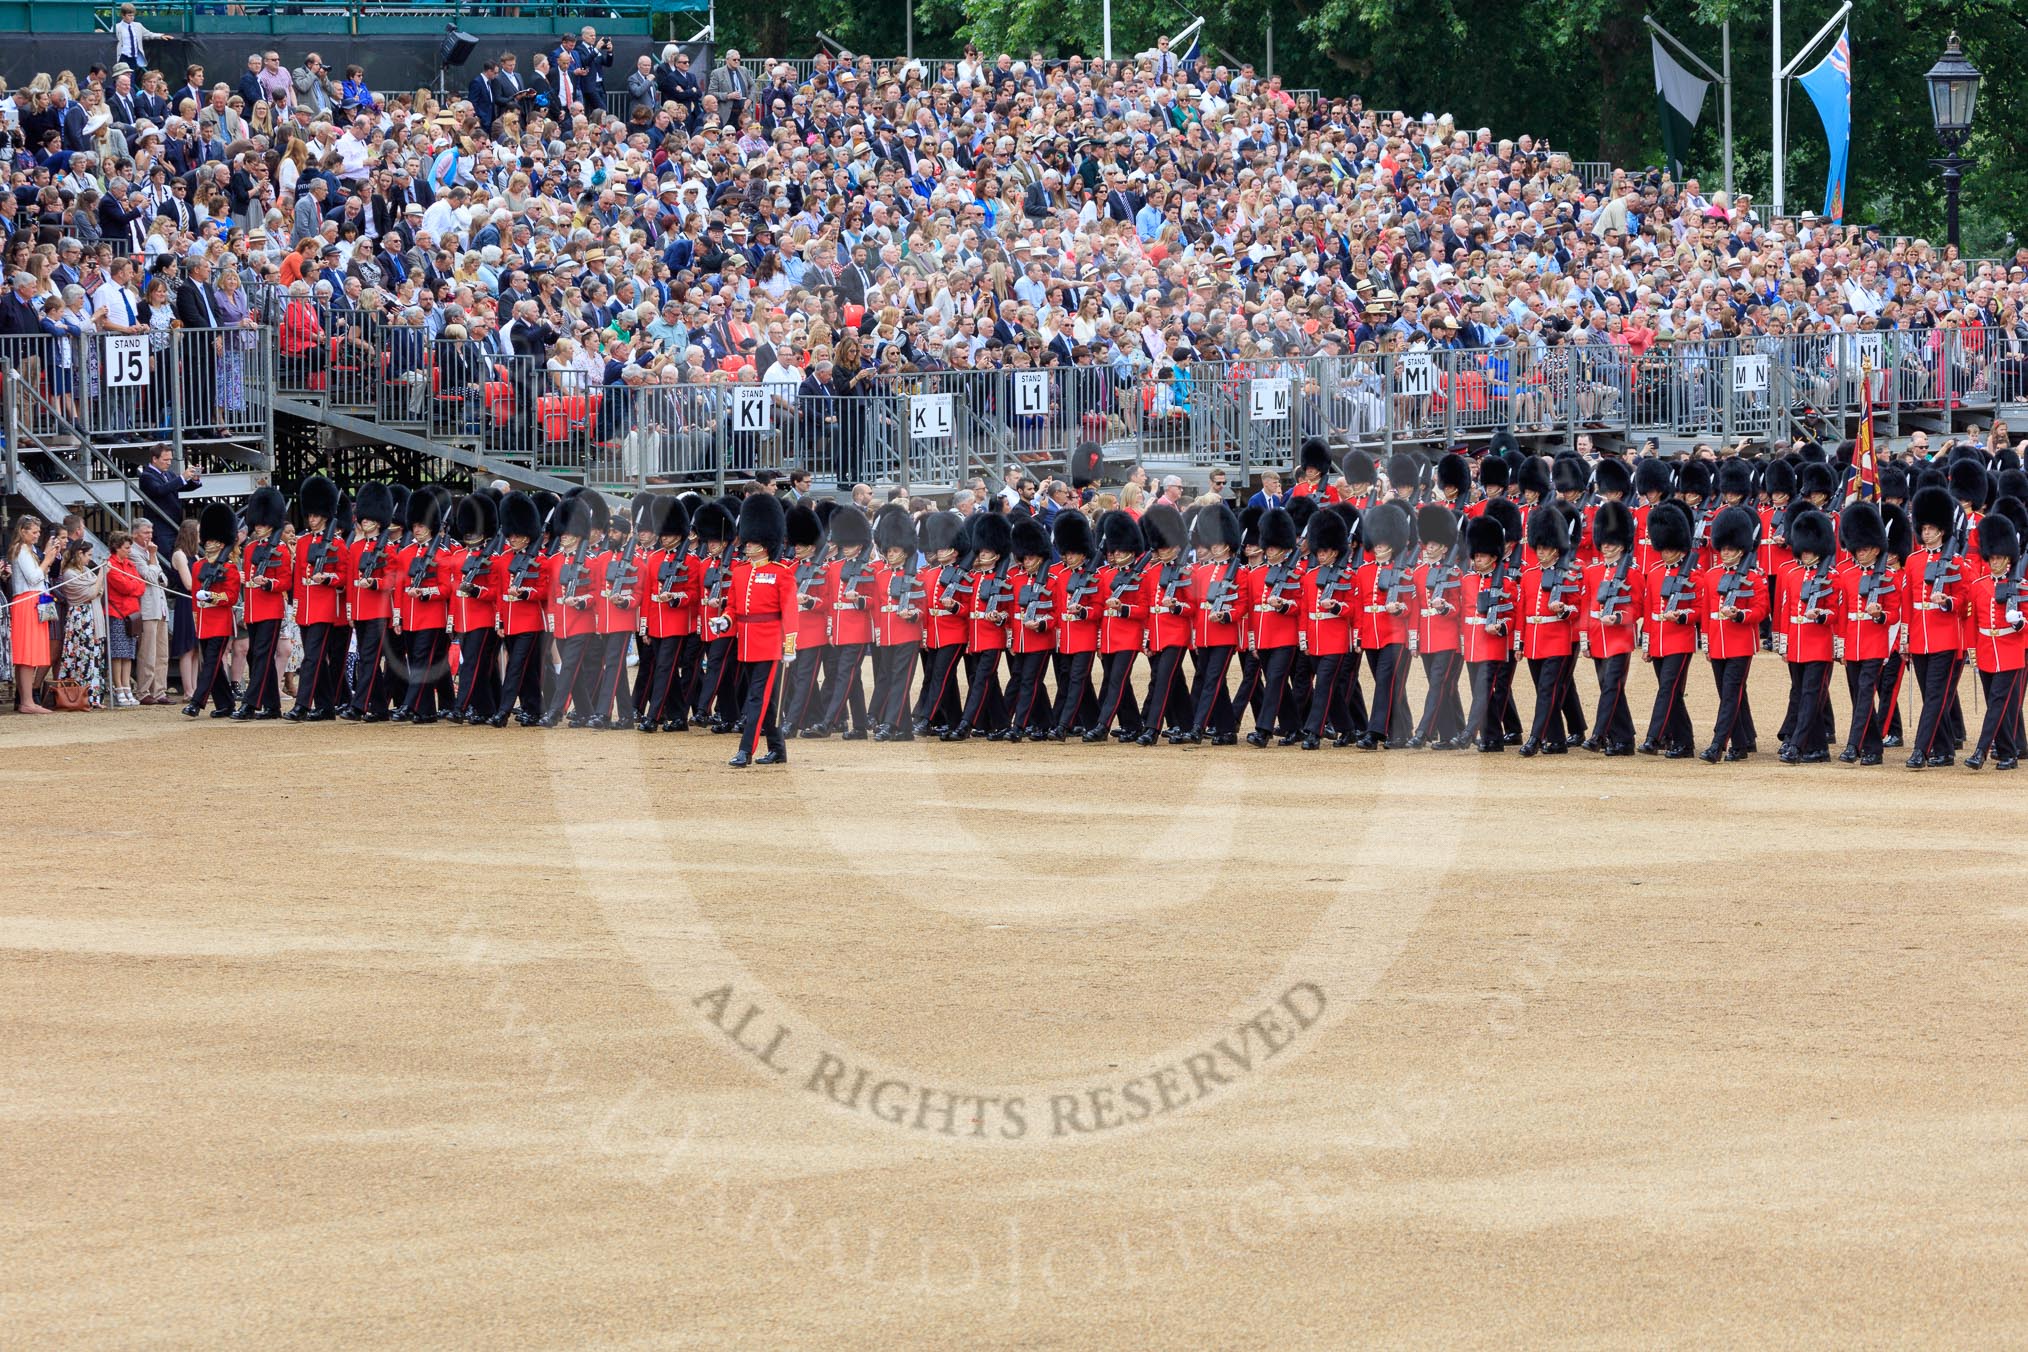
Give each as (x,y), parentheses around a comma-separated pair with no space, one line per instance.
(1575,72)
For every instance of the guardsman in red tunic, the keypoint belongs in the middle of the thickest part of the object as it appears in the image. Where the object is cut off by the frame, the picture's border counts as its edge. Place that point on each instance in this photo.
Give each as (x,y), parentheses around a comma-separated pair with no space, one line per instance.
(1271,594)
(1031,631)
(468,575)
(1385,595)
(1900,544)
(373,579)
(321,587)
(393,646)
(1732,597)
(897,623)
(1998,643)
(851,587)
(1167,707)
(717,690)
(1867,610)
(616,617)
(1778,482)
(1212,594)
(668,631)
(762,616)
(519,586)
(1126,588)
(1613,604)
(1970,488)
(1438,577)
(945,587)
(1328,601)
(1933,585)
(1549,610)
(1652,482)
(1362,479)
(215,587)
(1669,627)
(988,600)
(571,589)
(1074,598)
(1313,469)
(269,573)
(805,534)
(1485,634)
(1496,476)
(425,612)
(1808,647)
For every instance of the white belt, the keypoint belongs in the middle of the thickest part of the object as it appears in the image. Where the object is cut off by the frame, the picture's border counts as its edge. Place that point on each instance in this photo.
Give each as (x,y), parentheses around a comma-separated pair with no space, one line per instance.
(1545,619)
(1376,610)
(1998,633)
(1325,615)
(1929,605)
(1477,619)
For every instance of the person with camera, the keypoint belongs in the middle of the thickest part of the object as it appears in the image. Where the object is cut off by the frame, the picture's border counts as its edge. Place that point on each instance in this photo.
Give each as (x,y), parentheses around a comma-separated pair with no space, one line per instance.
(31,558)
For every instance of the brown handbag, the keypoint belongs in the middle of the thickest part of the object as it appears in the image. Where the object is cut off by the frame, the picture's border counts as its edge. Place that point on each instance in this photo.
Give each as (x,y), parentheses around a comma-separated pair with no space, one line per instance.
(69,696)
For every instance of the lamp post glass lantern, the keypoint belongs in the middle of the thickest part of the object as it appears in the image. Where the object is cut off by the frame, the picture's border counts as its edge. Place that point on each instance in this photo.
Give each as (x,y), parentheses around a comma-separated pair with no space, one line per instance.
(1953,94)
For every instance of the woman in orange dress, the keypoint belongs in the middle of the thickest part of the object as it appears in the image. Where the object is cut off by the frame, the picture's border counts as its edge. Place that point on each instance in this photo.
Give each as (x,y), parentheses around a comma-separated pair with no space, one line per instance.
(32,558)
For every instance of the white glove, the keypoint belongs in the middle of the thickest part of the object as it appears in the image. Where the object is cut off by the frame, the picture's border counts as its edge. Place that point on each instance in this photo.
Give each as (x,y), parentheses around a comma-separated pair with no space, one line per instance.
(788,659)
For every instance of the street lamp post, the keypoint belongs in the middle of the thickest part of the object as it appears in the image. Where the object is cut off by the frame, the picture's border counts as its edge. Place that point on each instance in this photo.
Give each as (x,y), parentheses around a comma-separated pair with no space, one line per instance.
(1953,91)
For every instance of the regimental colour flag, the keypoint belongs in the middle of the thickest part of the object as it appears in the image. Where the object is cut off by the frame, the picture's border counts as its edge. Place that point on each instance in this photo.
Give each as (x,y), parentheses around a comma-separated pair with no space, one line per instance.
(1829,86)
(1681,94)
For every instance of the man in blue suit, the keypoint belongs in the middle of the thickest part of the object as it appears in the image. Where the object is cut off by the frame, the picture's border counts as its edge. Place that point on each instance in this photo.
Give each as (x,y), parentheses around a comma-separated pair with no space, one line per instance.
(480,92)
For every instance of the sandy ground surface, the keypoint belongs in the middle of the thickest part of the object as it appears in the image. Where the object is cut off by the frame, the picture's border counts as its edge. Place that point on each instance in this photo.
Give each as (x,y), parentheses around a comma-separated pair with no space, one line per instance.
(438,1037)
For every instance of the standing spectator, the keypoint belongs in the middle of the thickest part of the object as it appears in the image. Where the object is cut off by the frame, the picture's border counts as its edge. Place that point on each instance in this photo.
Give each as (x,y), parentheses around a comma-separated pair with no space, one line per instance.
(182,586)
(1270,495)
(84,626)
(162,490)
(731,86)
(29,614)
(132,37)
(123,590)
(151,643)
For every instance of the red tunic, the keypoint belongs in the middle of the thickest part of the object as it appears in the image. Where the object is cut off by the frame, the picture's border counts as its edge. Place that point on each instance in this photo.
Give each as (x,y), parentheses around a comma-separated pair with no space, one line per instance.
(942,630)
(1741,637)
(322,602)
(1327,619)
(527,615)
(1545,633)
(852,607)
(618,608)
(1484,639)
(1998,638)
(1271,620)
(1669,638)
(1208,583)
(1802,639)
(986,612)
(1438,627)
(571,589)
(1932,615)
(470,614)
(674,573)
(214,613)
(267,587)
(1024,588)
(1126,631)
(1377,627)
(813,603)
(762,604)
(372,574)
(1077,625)
(1866,638)
(423,606)
(1611,635)
(890,627)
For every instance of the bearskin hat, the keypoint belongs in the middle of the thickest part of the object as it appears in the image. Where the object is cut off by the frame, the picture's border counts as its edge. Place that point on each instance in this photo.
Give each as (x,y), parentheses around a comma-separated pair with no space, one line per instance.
(1072,534)
(1360,469)
(424,513)
(375,503)
(1893,483)
(1612,476)
(1329,530)
(1933,506)
(1301,509)
(1217,525)
(519,516)
(571,516)
(1860,527)
(800,526)
(1778,480)
(849,529)
(1435,525)
(1570,474)
(894,528)
(1483,535)
(991,534)
(1900,534)
(1652,475)
(1612,524)
(317,496)
(1533,476)
(1315,454)
(1387,525)
(600,510)
(1998,538)
(1547,529)
(1119,533)
(1084,464)
(1669,527)
(217,525)
(1694,477)
(397,512)
(711,522)
(1813,479)
(1810,532)
(1277,529)
(1509,517)
(1735,478)
(1969,482)
(472,517)
(1249,526)
(267,507)
(1164,528)
(1028,539)
(1495,472)
(672,519)
(825,510)
(763,522)
(1454,472)
(1812,453)
(1402,471)
(545,502)
(938,531)
(1736,528)
(2013,509)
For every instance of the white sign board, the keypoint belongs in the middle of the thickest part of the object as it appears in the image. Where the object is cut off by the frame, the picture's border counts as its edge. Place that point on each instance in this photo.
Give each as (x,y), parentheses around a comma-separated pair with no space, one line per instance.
(1749,375)
(1417,373)
(752,409)
(126,359)
(1867,350)
(929,417)
(1031,394)
(1268,399)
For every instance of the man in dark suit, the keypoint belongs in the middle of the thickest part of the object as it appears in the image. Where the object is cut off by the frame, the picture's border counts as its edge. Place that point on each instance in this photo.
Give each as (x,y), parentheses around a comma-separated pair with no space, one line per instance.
(197,315)
(1042,199)
(192,89)
(19,316)
(1122,205)
(250,83)
(480,92)
(594,57)
(72,120)
(510,91)
(676,83)
(854,278)
(162,490)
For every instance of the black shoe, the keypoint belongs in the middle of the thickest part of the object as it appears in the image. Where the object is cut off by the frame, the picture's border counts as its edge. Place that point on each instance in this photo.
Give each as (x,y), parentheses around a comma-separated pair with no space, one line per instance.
(242,715)
(1289,740)
(1458,743)
(1367,742)
(720,727)
(905,737)
(1870,758)
(1310,744)
(1229,739)
(1416,743)
(1054,734)
(421,720)
(222,713)
(1589,744)
(528,720)
(1649,749)
(1493,746)
(1892,739)
(398,716)
(374,718)
(675,725)
(957,734)
(547,721)
(1678,753)
(859,735)
(1555,748)
(1941,762)
(497,721)
(1848,756)
(578,724)
(778,756)
(1122,736)
(1343,739)
(1790,756)
(1147,738)
(1256,739)
(350,715)
(1915,761)
(595,723)
(1976,761)
(1620,749)
(919,727)
(740,760)
(1738,753)
(818,733)
(1530,747)
(295,716)
(646,725)
(1094,737)
(1709,755)
(267,716)
(882,733)
(2007,763)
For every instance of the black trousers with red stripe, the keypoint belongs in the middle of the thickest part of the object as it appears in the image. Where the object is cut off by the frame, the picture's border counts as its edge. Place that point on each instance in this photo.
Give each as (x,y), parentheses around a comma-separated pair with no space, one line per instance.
(1443,717)
(1027,700)
(478,693)
(263,682)
(1212,712)
(760,704)
(1552,677)
(612,688)
(1390,682)
(1614,726)
(843,688)
(1669,721)
(1489,697)
(1734,713)
(1168,702)
(575,679)
(313,690)
(985,706)
(1273,674)
(369,682)
(661,699)
(427,652)
(1116,694)
(2001,734)
(1325,703)
(717,685)
(1862,683)
(522,685)
(799,689)
(939,705)
(1076,703)
(893,673)
(212,682)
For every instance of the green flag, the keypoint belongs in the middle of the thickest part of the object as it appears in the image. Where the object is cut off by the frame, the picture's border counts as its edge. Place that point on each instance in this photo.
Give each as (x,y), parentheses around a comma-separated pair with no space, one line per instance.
(1681,95)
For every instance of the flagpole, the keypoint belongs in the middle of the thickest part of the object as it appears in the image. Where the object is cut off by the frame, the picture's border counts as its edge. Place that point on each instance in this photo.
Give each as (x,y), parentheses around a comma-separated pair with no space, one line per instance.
(1777,47)
(1726,85)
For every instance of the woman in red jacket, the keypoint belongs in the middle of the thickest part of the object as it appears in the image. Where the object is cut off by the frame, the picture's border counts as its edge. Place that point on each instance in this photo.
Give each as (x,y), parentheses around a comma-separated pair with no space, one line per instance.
(123,607)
